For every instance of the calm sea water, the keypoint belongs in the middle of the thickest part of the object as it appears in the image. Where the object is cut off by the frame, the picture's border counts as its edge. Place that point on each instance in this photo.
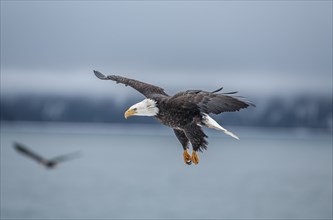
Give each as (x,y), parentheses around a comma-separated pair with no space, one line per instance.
(128,171)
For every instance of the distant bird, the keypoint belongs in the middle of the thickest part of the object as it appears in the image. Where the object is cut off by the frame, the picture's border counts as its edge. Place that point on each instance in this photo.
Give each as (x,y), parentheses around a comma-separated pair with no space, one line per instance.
(51,163)
(185,112)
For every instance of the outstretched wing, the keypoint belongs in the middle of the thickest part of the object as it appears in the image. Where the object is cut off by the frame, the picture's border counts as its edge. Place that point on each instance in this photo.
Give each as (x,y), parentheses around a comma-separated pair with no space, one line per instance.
(210,102)
(66,157)
(146,89)
(27,152)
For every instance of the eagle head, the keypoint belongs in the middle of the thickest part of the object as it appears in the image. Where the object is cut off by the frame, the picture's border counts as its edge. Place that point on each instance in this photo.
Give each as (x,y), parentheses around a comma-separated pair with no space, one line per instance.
(147,107)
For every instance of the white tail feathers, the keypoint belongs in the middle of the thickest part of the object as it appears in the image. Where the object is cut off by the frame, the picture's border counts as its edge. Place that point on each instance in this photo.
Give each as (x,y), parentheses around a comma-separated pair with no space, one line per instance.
(211,123)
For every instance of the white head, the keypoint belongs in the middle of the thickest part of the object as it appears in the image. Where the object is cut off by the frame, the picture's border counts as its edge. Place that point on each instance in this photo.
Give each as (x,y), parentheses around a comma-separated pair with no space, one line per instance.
(147,107)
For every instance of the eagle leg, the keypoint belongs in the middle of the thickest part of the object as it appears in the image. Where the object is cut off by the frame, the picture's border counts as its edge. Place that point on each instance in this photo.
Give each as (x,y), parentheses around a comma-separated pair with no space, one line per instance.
(194,158)
(187,158)
(197,138)
(184,141)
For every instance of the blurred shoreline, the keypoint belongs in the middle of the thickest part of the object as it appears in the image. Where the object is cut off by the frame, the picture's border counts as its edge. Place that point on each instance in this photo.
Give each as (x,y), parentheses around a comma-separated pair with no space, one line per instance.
(292,112)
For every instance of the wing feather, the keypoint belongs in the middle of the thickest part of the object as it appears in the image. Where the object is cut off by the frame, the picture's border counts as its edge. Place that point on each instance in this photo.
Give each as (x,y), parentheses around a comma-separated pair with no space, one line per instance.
(210,102)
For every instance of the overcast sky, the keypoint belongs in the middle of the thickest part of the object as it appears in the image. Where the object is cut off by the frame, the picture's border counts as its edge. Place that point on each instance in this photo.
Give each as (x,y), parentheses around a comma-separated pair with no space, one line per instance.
(250,46)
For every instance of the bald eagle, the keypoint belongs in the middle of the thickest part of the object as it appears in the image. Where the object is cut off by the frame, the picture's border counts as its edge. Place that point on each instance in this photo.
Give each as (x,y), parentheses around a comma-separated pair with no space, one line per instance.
(185,112)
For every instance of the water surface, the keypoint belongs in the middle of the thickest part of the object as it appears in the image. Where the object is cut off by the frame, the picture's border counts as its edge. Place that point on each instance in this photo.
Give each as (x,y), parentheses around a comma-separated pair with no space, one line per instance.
(131,171)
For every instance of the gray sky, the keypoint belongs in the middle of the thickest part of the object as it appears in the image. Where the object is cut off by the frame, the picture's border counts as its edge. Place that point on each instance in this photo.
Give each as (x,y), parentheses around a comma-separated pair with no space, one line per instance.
(250,46)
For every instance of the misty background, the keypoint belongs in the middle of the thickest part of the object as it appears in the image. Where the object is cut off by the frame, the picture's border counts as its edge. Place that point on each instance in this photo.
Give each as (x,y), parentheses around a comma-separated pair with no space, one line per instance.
(278,54)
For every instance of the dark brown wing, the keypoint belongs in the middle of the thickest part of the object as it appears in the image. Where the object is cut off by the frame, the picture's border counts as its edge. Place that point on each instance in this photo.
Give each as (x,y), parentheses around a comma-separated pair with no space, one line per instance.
(27,152)
(144,88)
(210,102)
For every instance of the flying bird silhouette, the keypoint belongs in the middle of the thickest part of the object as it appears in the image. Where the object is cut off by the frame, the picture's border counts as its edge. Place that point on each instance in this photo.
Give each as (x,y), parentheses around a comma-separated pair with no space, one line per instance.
(185,112)
(48,163)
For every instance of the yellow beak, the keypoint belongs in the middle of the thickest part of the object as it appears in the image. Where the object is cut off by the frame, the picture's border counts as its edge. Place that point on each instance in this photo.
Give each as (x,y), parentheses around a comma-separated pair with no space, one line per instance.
(129,113)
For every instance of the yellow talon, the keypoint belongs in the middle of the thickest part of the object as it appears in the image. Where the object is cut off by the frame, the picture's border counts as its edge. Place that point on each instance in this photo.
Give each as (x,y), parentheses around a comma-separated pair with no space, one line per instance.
(187,158)
(195,158)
